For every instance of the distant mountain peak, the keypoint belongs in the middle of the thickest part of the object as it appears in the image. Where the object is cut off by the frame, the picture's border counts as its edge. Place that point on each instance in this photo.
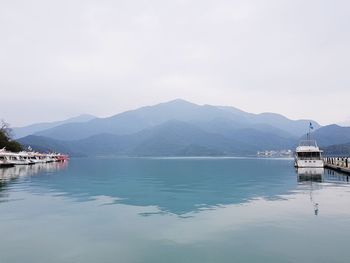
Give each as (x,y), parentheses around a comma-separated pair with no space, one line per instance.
(81,118)
(178,102)
(223,119)
(85,115)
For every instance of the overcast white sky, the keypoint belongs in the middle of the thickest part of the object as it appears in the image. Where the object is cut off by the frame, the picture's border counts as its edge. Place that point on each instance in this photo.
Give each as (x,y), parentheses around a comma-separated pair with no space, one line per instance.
(63,58)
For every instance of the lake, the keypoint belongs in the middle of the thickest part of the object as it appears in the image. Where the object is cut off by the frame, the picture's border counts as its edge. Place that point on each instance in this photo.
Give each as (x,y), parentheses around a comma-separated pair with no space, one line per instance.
(172,210)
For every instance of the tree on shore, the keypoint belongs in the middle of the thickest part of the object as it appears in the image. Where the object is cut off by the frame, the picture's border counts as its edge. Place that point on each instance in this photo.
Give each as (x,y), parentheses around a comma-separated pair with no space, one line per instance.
(5,138)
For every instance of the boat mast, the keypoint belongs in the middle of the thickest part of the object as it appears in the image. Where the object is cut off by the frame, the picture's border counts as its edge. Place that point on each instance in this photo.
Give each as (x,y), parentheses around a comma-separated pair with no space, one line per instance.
(308,135)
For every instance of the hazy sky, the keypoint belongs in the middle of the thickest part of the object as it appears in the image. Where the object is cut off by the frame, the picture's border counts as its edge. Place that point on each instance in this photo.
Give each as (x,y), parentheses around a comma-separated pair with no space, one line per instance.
(67,57)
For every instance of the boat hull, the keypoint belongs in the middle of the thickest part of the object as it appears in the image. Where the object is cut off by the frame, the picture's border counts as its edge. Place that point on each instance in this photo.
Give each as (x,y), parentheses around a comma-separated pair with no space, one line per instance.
(309,163)
(4,165)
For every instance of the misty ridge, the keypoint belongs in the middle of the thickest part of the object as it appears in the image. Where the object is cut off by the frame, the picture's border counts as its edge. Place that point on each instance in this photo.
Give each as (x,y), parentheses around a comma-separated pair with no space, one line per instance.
(177,128)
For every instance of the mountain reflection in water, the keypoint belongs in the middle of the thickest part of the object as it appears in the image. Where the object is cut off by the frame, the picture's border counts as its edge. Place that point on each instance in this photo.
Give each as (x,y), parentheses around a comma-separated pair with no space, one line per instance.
(177,186)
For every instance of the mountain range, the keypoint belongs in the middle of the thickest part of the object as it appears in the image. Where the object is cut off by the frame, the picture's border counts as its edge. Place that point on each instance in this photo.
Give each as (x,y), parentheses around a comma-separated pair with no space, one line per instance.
(180,128)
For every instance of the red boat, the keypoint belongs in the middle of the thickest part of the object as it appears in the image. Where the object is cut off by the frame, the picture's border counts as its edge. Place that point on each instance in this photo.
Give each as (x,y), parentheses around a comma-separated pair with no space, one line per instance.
(62,157)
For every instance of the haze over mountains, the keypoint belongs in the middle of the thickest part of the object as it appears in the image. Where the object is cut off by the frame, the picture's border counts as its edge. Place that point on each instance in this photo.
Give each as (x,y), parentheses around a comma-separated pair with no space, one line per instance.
(345,123)
(179,128)
(20,132)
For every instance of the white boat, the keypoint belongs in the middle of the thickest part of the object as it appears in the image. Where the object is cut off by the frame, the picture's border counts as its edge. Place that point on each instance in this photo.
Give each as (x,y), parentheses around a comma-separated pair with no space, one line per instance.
(25,158)
(308,155)
(16,159)
(8,159)
(5,160)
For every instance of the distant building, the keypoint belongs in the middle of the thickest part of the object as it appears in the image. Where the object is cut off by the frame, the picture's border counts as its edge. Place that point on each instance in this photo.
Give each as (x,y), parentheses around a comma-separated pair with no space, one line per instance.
(275,153)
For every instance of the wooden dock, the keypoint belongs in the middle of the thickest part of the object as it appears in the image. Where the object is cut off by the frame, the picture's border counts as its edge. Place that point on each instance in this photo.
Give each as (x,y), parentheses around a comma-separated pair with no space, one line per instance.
(341,164)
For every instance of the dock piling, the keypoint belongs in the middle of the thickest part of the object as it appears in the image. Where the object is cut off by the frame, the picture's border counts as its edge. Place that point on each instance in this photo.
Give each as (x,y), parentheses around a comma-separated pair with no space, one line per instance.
(341,164)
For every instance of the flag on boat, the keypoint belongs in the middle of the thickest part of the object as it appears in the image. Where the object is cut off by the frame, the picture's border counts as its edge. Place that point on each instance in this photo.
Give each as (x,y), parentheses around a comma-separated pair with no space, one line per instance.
(311,127)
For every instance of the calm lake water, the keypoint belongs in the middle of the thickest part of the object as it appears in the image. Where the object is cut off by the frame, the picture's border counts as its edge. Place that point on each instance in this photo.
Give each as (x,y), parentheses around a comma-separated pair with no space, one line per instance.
(172,210)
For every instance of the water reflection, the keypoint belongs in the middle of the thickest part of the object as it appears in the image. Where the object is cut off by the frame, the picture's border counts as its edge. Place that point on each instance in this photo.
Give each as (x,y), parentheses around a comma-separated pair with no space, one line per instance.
(177,186)
(172,185)
(314,179)
(13,174)
(310,174)
(306,177)
(336,177)
(8,174)
(321,175)
(175,211)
